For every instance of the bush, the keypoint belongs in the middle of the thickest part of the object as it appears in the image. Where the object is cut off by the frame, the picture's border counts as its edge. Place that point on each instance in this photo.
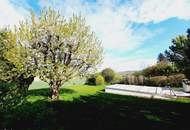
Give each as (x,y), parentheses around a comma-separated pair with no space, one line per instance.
(149,71)
(117,79)
(91,80)
(99,80)
(172,80)
(187,72)
(130,79)
(14,77)
(140,80)
(138,73)
(108,75)
(176,80)
(14,93)
(158,81)
(160,69)
(134,80)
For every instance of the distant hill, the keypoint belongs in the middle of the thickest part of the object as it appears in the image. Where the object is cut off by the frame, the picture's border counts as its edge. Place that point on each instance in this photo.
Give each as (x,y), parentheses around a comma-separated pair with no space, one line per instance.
(126,72)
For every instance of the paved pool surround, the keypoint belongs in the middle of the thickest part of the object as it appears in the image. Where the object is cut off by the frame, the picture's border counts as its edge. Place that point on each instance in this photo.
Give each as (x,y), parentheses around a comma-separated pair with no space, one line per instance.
(145,91)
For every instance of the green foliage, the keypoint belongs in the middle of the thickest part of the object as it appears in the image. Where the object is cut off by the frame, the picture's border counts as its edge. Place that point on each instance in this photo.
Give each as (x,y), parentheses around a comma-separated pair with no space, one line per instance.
(160,69)
(15,78)
(134,80)
(176,80)
(137,73)
(179,53)
(13,58)
(117,79)
(141,80)
(99,80)
(14,93)
(163,73)
(172,80)
(91,79)
(158,81)
(130,79)
(108,75)
(162,58)
(57,49)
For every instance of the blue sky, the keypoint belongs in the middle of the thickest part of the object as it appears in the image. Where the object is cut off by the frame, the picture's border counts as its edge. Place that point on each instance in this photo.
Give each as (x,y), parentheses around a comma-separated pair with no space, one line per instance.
(133,32)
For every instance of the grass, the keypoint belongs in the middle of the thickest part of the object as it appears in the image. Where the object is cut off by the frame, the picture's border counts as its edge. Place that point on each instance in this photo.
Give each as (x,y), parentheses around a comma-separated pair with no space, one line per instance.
(40,91)
(89,108)
(67,93)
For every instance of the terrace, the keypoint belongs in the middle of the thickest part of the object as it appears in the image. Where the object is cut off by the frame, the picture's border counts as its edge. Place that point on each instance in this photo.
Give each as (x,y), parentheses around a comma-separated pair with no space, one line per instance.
(146,91)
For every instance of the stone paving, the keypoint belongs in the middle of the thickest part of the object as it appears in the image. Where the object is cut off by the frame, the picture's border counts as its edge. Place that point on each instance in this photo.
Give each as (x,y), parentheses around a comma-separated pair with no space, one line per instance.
(145,91)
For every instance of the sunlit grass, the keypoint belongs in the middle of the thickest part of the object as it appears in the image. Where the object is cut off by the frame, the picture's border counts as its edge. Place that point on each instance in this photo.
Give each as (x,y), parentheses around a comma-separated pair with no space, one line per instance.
(40,91)
(81,90)
(38,85)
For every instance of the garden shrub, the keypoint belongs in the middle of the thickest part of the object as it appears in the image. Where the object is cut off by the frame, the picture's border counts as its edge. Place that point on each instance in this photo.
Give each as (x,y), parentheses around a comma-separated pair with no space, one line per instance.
(108,75)
(99,80)
(127,79)
(149,71)
(138,73)
(30,116)
(172,80)
(158,81)
(160,69)
(117,79)
(187,72)
(176,80)
(14,93)
(15,77)
(91,80)
(134,80)
(140,80)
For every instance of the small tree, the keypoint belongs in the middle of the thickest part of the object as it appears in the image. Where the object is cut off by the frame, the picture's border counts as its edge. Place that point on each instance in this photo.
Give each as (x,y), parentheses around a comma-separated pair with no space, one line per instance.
(14,82)
(108,75)
(162,58)
(99,80)
(117,79)
(91,80)
(160,69)
(58,49)
(179,53)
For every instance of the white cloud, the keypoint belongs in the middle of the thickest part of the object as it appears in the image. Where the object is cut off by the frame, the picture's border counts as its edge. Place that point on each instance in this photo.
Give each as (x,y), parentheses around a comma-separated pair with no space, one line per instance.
(10,14)
(157,10)
(123,63)
(108,21)
(112,22)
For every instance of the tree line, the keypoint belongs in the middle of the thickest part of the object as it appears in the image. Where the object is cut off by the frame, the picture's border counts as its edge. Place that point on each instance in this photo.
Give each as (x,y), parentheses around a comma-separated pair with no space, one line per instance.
(173,65)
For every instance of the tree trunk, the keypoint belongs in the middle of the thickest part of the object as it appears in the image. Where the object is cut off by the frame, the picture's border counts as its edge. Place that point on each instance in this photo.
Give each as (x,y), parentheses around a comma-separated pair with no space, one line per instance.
(55,91)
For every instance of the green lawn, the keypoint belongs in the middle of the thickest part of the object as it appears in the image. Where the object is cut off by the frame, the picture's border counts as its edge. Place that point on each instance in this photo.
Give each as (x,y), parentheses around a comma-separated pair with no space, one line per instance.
(83,107)
(40,91)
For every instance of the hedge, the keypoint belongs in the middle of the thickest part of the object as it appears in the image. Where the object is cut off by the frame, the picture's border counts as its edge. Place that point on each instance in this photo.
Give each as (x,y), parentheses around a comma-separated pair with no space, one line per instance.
(172,80)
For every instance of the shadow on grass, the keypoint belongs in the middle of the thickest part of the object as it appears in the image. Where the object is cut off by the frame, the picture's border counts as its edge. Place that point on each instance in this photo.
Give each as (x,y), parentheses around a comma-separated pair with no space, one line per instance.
(99,112)
(46,92)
